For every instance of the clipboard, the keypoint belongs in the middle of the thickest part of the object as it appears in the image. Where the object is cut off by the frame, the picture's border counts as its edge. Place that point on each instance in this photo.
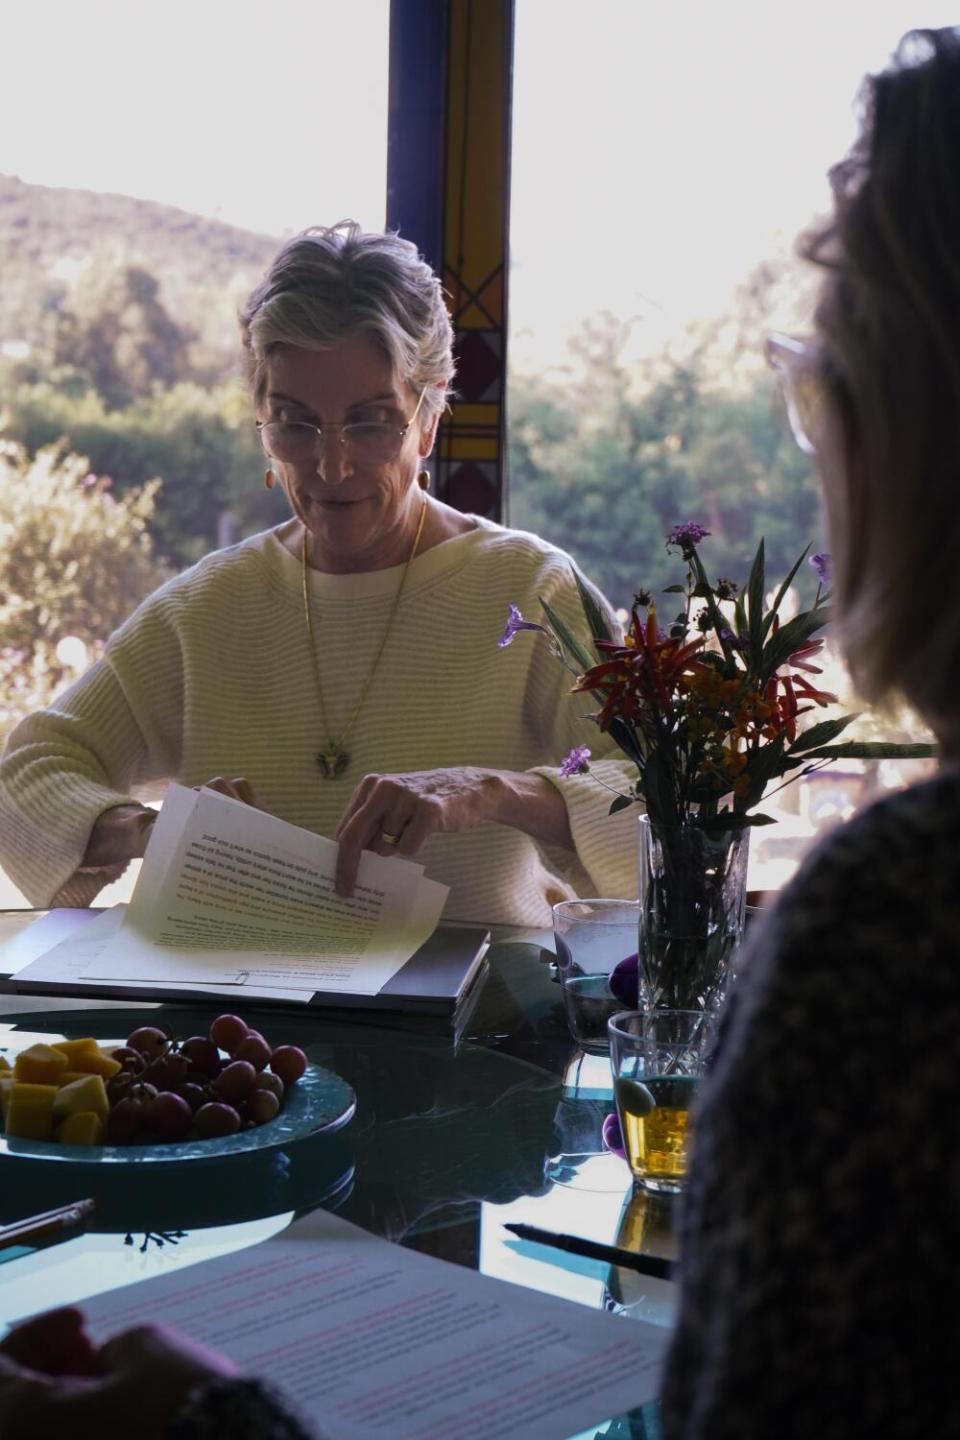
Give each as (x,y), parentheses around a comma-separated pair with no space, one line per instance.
(435,982)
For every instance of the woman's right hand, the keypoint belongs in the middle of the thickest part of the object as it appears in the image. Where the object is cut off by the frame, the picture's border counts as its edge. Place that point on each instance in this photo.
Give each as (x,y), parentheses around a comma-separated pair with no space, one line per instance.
(122,833)
(118,836)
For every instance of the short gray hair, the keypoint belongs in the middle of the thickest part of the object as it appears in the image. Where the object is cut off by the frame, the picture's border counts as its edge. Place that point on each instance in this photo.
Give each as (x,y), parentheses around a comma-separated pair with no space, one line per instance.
(337,280)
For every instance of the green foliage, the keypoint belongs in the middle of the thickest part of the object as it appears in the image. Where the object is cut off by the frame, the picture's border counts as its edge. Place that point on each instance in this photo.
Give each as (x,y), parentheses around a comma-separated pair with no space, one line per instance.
(56,245)
(118,335)
(200,442)
(75,560)
(603,466)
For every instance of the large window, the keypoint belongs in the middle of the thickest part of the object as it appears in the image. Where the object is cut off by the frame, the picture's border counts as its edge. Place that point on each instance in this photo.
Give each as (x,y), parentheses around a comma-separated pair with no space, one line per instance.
(152,158)
(664,159)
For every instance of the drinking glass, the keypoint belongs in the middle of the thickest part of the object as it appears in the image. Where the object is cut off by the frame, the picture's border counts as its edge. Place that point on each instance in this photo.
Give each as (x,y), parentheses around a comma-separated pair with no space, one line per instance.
(592,936)
(657,1058)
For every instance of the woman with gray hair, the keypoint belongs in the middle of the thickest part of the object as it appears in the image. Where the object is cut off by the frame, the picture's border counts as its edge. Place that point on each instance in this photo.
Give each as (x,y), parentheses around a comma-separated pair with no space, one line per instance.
(821,1234)
(342,670)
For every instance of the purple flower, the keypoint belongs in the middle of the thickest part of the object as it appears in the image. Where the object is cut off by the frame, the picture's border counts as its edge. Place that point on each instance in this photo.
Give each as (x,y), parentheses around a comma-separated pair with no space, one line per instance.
(824,568)
(624,981)
(613,1136)
(516,622)
(687,536)
(576,762)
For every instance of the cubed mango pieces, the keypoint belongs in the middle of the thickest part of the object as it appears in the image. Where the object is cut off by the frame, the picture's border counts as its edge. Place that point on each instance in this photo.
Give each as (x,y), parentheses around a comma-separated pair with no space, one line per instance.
(86,1094)
(4,1065)
(39,1065)
(95,1062)
(72,1048)
(83,1127)
(30,1111)
(7,1083)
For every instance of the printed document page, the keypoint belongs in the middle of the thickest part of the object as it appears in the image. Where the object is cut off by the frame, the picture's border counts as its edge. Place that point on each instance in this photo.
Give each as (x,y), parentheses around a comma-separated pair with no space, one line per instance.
(372,1340)
(40,955)
(228,895)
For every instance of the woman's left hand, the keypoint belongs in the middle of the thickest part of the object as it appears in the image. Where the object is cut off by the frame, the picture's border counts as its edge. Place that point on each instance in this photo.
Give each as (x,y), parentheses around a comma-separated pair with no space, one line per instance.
(54,1381)
(397,814)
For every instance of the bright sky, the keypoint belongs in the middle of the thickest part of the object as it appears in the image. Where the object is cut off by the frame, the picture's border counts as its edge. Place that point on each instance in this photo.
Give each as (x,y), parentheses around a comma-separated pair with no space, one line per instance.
(270,114)
(660,150)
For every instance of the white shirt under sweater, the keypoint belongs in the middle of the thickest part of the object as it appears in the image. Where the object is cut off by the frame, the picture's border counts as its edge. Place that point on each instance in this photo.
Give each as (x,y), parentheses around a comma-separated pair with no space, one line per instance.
(212,676)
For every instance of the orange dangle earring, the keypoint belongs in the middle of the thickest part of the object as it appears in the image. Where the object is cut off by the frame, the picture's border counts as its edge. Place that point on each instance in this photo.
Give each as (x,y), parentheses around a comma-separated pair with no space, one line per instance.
(269,480)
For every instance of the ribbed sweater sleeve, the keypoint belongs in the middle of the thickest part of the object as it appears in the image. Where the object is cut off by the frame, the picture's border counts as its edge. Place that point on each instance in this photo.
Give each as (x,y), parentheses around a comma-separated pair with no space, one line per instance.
(117,726)
(605,859)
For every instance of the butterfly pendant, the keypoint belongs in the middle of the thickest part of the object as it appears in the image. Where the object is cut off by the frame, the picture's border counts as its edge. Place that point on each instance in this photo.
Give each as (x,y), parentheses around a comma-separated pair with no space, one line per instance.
(332,762)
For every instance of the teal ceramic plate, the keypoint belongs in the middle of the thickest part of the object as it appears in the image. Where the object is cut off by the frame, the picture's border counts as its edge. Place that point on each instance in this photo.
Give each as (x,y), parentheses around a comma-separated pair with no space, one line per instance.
(320,1102)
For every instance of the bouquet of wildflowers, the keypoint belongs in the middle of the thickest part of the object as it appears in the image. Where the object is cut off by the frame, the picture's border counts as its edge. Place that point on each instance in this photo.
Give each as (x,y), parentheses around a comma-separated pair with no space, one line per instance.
(709,708)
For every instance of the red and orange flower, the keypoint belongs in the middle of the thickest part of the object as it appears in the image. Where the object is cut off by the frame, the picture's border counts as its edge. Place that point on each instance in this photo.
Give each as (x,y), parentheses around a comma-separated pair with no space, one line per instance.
(709,710)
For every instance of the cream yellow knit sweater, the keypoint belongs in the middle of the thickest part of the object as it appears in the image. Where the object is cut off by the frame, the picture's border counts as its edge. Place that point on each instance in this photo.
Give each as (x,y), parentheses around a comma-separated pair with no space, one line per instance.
(212,676)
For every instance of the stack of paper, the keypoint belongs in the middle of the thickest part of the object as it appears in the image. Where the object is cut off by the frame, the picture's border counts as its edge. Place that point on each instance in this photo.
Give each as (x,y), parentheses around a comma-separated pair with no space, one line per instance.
(229,896)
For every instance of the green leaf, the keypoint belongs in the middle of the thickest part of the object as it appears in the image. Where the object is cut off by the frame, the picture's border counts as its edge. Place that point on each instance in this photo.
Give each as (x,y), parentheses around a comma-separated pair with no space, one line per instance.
(755,593)
(704,588)
(727,820)
(622,735)
(871,750)
(567,638)
(821,734)
(658,790)
(761,767)
(790,637)
(674,590)
(778,598)
(622,802)
(596,620)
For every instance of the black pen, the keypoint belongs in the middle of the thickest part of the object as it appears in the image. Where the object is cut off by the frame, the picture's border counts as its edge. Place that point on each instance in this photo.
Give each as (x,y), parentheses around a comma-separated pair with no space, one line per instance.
(653,1265)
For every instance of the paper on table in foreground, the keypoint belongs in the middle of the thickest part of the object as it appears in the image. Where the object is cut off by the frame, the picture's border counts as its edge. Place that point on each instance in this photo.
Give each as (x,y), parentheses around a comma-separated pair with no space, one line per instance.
(374,1340)
(59,948)
(229,895)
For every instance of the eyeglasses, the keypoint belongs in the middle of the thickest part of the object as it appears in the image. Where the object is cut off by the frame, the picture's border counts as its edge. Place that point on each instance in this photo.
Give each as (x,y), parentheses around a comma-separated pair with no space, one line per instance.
(805,391)
(298,442)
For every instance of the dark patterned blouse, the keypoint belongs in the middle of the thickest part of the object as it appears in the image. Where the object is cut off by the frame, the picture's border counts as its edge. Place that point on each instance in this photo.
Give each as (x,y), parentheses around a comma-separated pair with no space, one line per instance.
(821,1230)
(238,1410)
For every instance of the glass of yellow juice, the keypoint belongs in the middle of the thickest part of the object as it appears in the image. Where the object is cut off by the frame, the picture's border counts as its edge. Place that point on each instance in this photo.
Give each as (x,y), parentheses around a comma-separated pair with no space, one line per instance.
(657,1058)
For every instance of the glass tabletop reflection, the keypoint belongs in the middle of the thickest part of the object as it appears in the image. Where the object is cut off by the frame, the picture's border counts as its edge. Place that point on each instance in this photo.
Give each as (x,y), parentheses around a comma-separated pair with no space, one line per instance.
(449,1142)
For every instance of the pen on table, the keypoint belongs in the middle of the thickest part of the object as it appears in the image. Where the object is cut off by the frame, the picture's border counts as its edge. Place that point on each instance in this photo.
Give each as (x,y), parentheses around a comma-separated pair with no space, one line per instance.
(653,1265)
(50,1225)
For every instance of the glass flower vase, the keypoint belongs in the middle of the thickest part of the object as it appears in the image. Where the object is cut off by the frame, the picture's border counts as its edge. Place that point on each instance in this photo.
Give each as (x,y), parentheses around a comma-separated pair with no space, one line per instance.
(693,887)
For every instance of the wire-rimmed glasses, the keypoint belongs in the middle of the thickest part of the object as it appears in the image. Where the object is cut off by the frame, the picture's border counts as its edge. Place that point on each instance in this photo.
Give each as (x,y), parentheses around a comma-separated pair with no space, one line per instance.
(805,392)
(300,442)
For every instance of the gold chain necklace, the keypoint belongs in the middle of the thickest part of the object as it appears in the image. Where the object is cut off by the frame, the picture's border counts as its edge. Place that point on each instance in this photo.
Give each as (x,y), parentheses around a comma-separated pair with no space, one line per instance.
(333,759)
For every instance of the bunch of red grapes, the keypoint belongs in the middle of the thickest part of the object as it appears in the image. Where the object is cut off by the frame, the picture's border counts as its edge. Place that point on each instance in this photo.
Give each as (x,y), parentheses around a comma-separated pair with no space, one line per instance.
(212,1085)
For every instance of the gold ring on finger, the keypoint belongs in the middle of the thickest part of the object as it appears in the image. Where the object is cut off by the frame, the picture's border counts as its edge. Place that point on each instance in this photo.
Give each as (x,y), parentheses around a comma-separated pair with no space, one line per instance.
(389,839)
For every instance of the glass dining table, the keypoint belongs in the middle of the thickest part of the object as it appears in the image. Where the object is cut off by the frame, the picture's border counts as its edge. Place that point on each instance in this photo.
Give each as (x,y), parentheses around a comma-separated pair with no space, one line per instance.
(450,1140)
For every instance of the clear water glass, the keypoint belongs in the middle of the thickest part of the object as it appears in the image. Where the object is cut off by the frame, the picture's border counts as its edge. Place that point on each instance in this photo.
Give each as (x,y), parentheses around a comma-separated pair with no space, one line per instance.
(592,936)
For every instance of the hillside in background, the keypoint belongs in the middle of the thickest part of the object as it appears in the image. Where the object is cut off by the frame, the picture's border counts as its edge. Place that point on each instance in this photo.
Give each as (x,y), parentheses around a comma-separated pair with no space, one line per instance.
(50,239)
